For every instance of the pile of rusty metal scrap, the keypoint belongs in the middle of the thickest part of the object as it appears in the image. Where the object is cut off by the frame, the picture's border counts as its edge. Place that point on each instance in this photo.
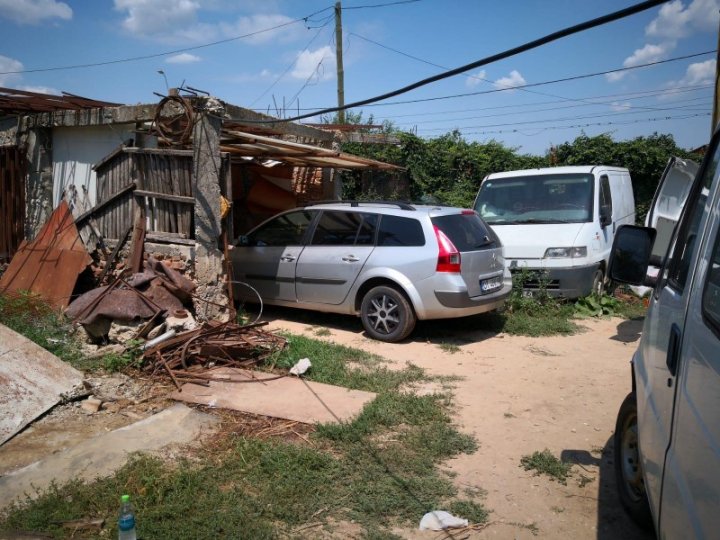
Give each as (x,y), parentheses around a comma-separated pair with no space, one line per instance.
(157,295)
(192,356)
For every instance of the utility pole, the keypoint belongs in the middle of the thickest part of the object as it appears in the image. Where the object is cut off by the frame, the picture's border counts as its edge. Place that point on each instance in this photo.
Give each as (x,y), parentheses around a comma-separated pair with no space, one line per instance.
(716,99)
(339,61)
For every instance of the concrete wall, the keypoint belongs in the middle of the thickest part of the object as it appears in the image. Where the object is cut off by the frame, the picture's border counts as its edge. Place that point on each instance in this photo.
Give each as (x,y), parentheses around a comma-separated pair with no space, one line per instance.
(76,150)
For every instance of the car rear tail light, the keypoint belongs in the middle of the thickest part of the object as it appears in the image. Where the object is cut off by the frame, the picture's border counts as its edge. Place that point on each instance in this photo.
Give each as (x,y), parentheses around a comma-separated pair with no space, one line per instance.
(467,212)
(448,255)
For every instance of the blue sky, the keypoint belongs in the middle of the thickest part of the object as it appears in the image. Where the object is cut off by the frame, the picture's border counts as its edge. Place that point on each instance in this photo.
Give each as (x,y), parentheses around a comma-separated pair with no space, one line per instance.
(294,64)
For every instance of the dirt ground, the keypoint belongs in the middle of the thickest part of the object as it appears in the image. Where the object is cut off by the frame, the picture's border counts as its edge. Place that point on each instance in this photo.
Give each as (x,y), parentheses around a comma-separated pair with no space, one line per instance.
(518,395)
(515,394)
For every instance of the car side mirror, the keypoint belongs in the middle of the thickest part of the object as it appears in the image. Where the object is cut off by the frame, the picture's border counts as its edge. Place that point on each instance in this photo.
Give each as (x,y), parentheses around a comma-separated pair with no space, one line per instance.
(630,255)
(605,216)
(243,240)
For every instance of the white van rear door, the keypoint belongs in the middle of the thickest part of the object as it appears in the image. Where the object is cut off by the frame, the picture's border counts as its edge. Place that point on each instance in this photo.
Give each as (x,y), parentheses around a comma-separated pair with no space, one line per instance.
(691,481)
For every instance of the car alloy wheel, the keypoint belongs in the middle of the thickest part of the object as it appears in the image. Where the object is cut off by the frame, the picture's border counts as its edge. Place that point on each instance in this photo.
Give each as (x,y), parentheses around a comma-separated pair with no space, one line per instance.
(387,314)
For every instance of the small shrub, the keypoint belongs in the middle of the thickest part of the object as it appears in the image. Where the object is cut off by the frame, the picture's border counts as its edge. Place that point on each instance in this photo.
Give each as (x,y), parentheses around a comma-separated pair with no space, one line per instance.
(546,463)
(596,306)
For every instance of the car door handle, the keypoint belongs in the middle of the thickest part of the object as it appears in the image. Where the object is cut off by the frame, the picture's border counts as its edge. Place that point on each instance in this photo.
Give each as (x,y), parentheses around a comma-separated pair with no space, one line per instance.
(350,258)
(287,258)
(673,351)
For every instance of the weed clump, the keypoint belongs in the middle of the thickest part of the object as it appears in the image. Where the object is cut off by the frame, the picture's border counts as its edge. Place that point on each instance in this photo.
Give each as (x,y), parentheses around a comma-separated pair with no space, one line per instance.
(546,463)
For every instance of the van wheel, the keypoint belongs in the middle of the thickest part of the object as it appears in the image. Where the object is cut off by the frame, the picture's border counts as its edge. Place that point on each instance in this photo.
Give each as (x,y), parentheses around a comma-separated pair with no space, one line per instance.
(386,314)
(598,282)
(628,470)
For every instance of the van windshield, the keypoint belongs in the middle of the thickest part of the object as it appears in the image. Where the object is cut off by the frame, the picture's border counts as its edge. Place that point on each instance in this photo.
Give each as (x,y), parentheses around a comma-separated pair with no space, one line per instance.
(561,198)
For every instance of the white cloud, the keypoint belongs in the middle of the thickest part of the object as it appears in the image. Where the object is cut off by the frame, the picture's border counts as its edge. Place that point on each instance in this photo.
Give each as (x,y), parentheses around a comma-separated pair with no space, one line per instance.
(255,23)
(676,21)
(473,80)
(320,62)
(9,64)
(157,17)
(183,58)
(646,55)
(618,107)
(512,80)
(34,11)
(699,73)
(179,21)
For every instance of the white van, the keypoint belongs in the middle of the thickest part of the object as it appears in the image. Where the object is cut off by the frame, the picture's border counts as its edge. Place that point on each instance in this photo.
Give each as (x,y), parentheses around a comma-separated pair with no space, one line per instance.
(667,436)
(560,221)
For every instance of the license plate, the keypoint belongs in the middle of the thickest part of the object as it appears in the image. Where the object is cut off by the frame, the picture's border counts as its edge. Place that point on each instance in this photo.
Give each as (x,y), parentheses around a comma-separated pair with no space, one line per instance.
(490,285)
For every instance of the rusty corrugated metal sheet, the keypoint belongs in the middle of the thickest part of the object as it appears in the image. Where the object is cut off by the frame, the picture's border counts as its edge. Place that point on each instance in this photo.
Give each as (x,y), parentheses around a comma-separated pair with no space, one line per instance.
(49,265)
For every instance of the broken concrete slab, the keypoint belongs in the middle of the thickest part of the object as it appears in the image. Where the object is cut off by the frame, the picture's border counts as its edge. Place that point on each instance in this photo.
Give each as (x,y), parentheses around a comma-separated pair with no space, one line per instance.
(32,379)
(286,397)
(108,452)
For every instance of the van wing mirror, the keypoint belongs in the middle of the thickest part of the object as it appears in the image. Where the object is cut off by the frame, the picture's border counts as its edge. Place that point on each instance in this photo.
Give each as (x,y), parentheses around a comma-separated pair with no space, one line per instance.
(630,255)
(605,215)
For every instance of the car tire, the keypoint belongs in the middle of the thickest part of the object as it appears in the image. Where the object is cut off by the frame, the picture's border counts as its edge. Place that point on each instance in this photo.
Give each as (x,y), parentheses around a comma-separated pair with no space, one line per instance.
(628,469)
(387,314)
(598,282)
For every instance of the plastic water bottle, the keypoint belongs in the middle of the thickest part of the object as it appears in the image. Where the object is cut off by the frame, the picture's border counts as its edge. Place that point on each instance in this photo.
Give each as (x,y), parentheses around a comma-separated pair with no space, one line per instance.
(126,522)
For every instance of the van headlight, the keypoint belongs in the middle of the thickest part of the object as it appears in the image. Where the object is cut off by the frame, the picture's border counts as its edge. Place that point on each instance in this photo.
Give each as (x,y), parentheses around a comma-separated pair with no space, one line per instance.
(565,252)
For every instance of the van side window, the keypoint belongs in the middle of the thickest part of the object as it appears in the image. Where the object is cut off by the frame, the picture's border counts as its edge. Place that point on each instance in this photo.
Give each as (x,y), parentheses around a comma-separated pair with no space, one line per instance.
(711,293)
(687,241)
(605,195)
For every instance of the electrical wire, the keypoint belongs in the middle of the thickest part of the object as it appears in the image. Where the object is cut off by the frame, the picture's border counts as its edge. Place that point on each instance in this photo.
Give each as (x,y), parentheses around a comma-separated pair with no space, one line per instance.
(549,109)
(168,53)
(292,64)
(381,5)
(577,126)
(581,27)
(624,95)
(527,122)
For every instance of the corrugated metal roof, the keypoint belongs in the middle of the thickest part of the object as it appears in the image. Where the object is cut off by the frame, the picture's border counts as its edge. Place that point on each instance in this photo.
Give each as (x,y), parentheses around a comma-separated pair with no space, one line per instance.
(258,146)
(13,101)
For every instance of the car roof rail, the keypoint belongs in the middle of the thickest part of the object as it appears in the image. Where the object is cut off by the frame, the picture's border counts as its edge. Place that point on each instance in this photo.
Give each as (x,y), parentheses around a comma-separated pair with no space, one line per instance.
(403,205)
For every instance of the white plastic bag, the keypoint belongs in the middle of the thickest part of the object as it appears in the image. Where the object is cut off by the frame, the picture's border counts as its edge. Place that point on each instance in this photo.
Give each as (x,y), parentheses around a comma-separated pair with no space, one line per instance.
(300,367)
(438,520)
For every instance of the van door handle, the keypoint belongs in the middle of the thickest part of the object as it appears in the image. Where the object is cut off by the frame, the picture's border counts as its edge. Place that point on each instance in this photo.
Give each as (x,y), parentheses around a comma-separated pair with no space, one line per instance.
(287,258)
(350,258)
(673,352)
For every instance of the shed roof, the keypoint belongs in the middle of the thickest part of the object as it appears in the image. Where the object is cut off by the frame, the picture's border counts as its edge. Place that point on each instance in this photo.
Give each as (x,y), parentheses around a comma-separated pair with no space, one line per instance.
(269,148)
(13,101)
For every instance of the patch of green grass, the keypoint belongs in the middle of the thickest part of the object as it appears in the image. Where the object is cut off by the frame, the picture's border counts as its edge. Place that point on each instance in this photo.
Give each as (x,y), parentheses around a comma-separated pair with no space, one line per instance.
(449,348)
(30,316)
(320,332)
(470,510)
(344,366)
(546,463)
(380,470)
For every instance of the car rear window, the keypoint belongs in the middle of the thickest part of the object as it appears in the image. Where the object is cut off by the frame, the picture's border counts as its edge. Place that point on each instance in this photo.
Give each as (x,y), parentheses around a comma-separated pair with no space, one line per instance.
(400,231)
(467,231)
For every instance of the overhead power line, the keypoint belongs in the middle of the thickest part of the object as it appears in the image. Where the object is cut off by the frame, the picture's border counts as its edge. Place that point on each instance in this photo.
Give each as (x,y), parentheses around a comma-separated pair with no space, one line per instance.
(578,126)
(624,107)
(567,118)
(532,85)
(168,53)
(588,100)
(587,25)
(345,8)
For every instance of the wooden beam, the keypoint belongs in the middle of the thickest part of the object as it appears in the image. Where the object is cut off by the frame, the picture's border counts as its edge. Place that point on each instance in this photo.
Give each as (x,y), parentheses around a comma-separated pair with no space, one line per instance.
(165,196)
(95,209)
(238,114)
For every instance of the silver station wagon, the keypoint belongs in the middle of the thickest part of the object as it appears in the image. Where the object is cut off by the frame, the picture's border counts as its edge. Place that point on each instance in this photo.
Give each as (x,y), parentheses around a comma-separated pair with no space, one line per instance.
(391,263)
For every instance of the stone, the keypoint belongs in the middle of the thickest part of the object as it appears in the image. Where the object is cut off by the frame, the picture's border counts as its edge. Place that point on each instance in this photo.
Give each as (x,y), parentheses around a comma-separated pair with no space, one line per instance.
(91,405)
